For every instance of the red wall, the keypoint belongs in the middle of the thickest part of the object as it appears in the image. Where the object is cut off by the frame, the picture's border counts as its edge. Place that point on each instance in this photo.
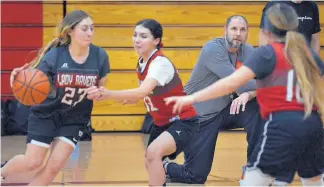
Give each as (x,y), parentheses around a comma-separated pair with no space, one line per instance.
(21,36)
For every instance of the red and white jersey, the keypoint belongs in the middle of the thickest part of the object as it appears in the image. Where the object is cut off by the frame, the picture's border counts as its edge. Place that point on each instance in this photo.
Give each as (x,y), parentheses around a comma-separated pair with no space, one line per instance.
(154,102)
(279,91)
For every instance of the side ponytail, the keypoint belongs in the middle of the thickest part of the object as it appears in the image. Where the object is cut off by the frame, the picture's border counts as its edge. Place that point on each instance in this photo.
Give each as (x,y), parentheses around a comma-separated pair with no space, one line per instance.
(307,72)
(54,43)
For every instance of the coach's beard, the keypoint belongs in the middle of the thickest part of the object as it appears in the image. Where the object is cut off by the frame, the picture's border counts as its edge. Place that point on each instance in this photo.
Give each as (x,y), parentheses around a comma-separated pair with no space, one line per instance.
(230,43)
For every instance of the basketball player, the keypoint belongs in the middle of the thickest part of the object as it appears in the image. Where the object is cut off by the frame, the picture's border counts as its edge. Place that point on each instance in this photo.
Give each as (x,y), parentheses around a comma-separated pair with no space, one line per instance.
(219,58)
(72,64)
(290,94)
(171,133)
(309,26)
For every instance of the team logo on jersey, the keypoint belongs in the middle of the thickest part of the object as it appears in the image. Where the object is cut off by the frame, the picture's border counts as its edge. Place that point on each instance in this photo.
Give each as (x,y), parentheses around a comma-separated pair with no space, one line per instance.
(65,65)
(76,80)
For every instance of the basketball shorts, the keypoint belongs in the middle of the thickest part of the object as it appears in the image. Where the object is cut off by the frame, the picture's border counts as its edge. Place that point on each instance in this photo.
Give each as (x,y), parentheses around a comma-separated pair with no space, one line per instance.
(290,143)
(183,132)
(42,131)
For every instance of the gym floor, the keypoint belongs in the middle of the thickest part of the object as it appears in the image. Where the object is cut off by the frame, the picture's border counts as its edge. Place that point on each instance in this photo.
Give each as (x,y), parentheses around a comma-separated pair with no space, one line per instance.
(117,159)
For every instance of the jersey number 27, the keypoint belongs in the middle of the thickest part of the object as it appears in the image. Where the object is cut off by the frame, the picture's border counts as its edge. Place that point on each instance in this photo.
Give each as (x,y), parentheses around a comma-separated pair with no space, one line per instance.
(70,93)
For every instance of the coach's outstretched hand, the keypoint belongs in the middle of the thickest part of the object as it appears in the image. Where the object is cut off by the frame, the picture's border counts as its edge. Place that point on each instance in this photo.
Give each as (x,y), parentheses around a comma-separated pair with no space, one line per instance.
(239,103)
(179,102)
(95,93)
(16,71)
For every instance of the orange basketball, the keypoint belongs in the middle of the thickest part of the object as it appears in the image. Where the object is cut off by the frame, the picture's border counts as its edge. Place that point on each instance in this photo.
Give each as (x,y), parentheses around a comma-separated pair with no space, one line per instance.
(31,87)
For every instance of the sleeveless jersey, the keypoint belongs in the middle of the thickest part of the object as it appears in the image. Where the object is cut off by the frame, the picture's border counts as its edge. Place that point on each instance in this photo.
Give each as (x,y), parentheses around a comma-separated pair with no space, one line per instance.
(279,91)
(154,102)
(68,100)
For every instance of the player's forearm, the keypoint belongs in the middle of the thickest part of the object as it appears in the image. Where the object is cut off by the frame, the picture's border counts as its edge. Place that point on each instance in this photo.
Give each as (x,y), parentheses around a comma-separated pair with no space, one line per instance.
(131,94)
(220,88)
(249,86)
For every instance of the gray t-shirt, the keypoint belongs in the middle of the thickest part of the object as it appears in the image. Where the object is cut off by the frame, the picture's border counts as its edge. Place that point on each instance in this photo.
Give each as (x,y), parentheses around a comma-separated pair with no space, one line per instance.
(214,63)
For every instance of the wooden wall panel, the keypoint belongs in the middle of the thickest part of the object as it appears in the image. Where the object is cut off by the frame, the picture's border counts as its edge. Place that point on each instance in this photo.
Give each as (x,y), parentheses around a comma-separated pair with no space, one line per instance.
(21,28)
(52,13)
(173,36)
(15,58)
(213,12)
(21,13)
(126,59)
(168,13)
(21,37)
(117,123)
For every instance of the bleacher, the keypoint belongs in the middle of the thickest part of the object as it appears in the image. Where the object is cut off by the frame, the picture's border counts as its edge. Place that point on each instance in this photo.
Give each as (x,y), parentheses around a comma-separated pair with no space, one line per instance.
(187,26)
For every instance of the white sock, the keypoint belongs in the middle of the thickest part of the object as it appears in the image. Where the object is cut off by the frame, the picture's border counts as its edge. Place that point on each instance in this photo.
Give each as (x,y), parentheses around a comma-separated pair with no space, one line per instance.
(279,183)
(165,165)
(255,177)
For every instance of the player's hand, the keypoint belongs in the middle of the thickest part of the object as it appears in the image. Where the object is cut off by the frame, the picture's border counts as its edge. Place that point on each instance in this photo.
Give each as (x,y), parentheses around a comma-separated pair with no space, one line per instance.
(179,102)
(16,71)
(239,102)
(95,93)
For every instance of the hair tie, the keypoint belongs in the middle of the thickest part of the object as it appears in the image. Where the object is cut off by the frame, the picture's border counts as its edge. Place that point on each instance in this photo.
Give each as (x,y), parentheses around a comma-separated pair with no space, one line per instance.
(161,45)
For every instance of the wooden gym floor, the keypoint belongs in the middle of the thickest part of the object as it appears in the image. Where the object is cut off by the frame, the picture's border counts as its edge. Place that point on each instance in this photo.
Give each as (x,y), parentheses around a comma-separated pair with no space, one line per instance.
(117,159)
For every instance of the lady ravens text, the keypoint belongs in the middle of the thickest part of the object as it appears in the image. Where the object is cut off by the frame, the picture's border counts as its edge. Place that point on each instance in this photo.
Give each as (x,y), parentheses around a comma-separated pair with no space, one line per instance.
(76,80)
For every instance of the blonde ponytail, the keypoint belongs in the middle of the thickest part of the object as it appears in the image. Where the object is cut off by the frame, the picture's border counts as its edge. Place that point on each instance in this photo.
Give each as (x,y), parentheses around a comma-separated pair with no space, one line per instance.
(307,72)
(54,43)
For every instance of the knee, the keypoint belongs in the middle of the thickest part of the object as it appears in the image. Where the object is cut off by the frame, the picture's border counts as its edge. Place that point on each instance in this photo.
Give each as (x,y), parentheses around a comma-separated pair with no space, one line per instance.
(183,174)
(192,177)
(197,180)
(153,153)
(54,165)
(33,163)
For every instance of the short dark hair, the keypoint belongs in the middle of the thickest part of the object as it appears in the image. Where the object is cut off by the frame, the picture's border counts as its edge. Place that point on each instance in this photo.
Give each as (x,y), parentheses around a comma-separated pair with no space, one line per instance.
(229,19)
(155,28)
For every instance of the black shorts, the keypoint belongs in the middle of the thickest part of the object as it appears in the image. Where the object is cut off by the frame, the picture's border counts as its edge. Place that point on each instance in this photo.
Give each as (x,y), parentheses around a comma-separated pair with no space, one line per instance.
(42,131)
(183,132)
(290,143)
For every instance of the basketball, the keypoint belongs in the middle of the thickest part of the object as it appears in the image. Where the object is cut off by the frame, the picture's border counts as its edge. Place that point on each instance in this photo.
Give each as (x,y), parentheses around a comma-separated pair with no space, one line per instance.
(31,87)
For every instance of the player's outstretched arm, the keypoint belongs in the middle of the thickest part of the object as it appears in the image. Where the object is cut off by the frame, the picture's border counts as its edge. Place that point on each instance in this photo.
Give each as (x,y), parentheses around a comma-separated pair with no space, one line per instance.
(220,88)
(101,93)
